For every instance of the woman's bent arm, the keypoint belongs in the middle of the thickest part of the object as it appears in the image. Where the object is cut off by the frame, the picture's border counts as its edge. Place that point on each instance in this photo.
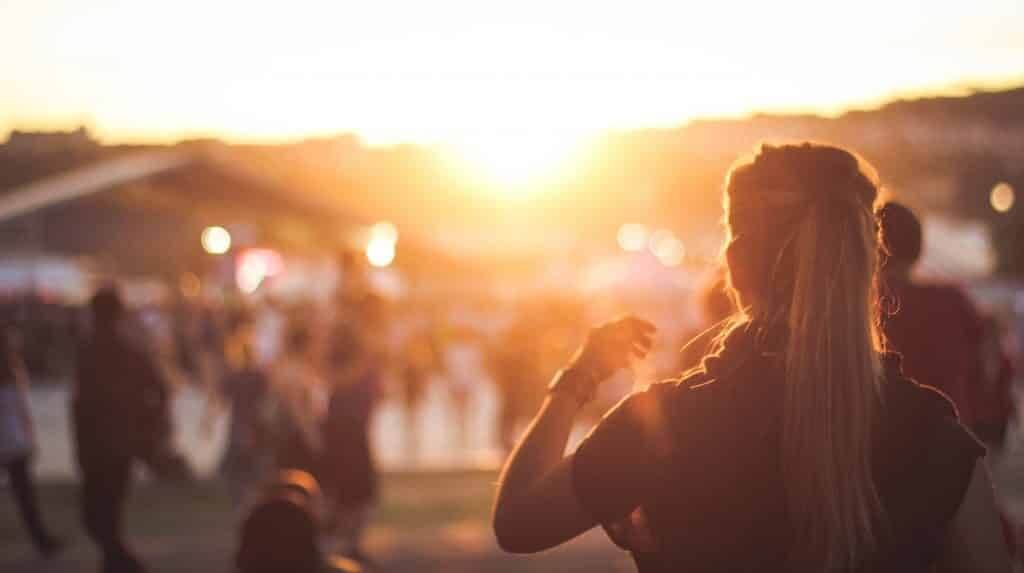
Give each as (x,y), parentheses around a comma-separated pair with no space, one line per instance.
(536,507)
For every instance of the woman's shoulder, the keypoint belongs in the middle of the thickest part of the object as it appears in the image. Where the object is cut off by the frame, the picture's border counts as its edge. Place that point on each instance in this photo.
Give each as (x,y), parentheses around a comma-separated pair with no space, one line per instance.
(910,406)
(904,395)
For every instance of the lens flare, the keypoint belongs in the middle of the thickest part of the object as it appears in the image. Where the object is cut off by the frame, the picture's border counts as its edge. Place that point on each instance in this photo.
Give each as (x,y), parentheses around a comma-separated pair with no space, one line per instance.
(633,237)
(1002,197)
(216,240)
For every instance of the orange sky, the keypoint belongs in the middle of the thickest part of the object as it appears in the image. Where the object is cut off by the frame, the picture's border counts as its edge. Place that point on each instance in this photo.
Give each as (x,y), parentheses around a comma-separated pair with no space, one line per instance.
(481,76)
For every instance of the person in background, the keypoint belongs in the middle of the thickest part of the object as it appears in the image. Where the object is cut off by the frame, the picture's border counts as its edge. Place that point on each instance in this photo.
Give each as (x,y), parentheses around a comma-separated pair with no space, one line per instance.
(279,534)
(418,367)
(18,444)
(716,306)
(798,446)
(944,340)
(302,397)
(514,363)
(246,389)
(121,415)
(355,366)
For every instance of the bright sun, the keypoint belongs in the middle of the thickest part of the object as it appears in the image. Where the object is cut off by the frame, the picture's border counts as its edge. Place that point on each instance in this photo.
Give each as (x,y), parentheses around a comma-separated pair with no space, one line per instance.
(518,164)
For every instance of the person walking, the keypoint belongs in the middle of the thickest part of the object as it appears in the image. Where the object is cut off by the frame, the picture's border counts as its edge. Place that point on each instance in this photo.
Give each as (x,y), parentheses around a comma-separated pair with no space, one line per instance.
(942,337)
(18,445)
(120,416)
(356,362)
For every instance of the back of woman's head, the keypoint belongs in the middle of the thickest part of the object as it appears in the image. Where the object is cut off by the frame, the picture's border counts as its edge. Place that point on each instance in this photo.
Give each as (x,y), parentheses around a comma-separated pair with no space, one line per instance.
(279,536)
(802,257)
(901,235)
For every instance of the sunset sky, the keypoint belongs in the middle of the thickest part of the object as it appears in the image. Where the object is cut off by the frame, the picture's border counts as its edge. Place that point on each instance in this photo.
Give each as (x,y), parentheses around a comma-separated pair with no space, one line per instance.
(472,72)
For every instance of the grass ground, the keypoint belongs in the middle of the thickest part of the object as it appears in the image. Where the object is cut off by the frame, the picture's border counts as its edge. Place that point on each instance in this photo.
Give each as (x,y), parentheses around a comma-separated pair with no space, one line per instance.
(426,522)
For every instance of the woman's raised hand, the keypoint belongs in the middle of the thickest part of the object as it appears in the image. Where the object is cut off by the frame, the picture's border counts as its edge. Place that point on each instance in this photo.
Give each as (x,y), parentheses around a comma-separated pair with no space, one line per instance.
(609,347)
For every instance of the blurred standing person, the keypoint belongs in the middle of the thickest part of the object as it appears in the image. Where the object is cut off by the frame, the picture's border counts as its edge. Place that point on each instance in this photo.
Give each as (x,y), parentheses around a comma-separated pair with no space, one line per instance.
(120,412)
(419,364)
(355,366)
(18,444)
(715,306)
(302,396)
(514,362)
(462,367)
(246,389)
(942,337)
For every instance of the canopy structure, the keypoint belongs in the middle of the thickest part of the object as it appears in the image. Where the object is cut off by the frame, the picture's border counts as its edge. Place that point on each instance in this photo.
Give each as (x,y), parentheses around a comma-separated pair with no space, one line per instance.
(142,211)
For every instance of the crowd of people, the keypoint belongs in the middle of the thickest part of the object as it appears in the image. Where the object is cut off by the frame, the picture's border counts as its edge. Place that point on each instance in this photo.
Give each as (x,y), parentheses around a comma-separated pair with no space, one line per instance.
(829,413)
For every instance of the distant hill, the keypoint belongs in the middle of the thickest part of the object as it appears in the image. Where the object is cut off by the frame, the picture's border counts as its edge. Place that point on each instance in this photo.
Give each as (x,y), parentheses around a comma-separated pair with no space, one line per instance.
(931,152)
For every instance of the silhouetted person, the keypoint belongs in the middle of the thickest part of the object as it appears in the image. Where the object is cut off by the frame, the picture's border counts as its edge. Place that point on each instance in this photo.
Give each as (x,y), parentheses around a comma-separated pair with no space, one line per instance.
(798,446)
(301,394)
(716,306)
(356,361)
(514,361)
(250,446)
(280,533)
(944,341)
(418,366)
(18,444)
(121,416)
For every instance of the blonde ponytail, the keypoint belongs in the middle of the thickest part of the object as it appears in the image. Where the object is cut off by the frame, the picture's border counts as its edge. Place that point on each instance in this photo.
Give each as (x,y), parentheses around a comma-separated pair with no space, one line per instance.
(816,270)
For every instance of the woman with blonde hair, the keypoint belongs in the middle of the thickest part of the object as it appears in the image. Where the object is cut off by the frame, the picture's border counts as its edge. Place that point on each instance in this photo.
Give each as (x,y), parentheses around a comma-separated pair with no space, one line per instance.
(798,445)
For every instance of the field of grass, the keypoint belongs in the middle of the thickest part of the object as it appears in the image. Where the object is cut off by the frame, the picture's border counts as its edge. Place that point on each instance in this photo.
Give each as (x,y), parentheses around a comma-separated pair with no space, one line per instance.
(426,522)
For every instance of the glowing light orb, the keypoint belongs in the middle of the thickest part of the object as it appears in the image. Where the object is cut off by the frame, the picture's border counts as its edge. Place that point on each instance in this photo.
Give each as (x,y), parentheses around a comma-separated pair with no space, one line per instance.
(216,240)
(1002,197)
(667,248)
(380,252)
(633,237)
(384,231)
(256,265)
(518,162)
(190,285)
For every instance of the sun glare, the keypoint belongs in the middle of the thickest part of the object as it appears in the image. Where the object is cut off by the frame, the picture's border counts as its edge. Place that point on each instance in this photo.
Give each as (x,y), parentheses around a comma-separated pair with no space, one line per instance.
(518,164)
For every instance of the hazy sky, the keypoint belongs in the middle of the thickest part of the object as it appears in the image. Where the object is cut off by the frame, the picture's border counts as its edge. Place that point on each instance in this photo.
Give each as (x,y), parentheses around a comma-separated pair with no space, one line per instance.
(465,71)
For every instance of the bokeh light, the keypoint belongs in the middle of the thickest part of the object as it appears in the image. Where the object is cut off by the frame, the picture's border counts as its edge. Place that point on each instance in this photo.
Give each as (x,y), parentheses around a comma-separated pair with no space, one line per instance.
(216,240)
(384,231)
(667,248)
(190,285)
(1002,197)
(380,252)
(633,237)
(254,266)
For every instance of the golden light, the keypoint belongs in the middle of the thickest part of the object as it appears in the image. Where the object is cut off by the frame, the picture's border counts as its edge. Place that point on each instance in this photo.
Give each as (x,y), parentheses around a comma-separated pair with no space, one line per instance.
(667,248)
(380,252)
(254,266)
(517,164)
(384,231)
(190,285)
(1002,197)
(216,240)
(633,237)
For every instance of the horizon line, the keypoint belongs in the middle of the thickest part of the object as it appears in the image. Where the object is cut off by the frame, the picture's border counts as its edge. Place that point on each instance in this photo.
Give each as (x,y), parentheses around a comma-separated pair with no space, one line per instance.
(954,90)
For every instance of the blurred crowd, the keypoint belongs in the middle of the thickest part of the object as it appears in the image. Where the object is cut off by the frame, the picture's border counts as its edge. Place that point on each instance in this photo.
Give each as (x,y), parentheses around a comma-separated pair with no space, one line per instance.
(300,381)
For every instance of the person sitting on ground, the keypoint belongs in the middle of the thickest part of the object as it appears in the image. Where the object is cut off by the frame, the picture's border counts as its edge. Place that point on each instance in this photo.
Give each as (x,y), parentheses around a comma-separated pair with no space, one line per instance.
(280,533)
(798,446)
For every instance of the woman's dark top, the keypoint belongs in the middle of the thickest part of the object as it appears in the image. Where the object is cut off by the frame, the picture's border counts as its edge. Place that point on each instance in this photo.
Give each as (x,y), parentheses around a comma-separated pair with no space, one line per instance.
(701,458)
